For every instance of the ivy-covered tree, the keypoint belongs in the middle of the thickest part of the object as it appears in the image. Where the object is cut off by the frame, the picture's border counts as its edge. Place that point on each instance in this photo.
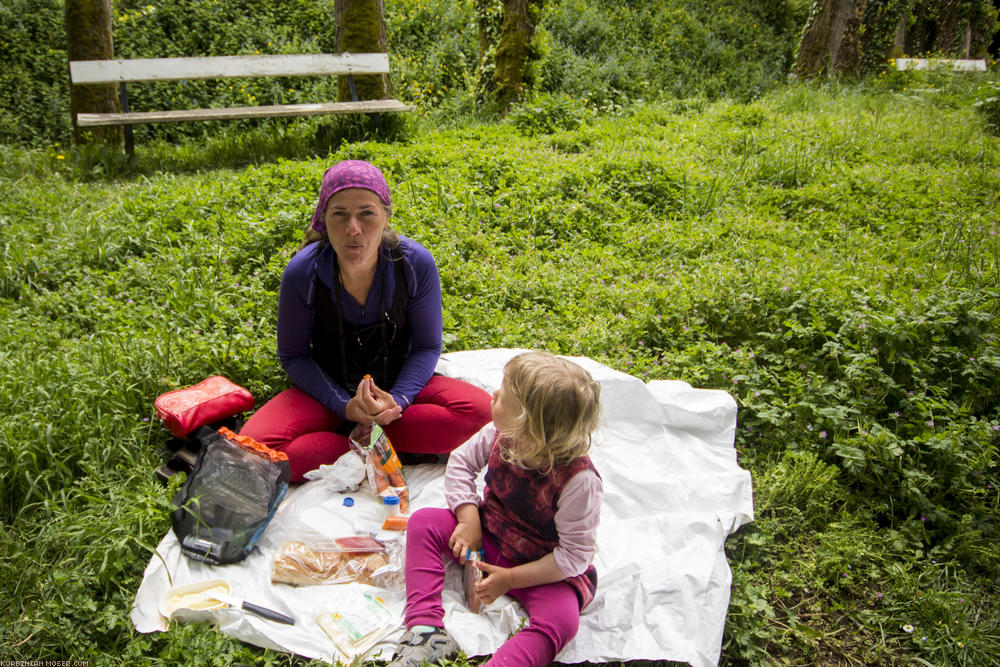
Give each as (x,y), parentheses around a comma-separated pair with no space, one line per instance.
(361,29)
(884,25)
(955,28)
(88,37)
(856,37)
(506,49)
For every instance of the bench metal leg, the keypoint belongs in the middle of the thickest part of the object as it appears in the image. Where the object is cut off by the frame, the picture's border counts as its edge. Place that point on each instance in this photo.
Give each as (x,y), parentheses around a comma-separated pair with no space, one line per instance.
(129,138)
(354,97)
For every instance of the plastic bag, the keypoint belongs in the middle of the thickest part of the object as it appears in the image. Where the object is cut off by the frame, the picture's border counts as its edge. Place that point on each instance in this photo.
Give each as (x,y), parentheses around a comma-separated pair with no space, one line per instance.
(382,466)
(356,621)
(345,474)
(229,498)
(348,559)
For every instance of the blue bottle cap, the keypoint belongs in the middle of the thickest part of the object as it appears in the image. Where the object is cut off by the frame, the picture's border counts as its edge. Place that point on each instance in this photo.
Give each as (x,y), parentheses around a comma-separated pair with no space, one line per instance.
(348,502)
(390,500)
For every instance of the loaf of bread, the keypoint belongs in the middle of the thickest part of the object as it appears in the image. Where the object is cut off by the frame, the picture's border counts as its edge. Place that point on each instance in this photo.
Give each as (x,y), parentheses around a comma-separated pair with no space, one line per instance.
(300,565)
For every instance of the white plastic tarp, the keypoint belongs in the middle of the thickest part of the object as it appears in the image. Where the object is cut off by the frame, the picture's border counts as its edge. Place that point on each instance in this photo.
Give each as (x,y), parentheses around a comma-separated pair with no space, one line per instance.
(673,493)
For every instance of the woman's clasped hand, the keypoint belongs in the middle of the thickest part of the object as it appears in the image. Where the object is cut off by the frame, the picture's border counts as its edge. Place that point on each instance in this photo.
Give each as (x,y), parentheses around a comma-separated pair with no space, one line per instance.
(371,404)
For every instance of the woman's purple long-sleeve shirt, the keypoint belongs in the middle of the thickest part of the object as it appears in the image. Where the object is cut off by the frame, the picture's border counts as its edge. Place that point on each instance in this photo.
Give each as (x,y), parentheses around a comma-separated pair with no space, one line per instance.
(296,312)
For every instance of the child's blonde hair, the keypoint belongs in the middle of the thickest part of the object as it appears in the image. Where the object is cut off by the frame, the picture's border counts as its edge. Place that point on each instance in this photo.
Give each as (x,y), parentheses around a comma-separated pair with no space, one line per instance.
(555,410)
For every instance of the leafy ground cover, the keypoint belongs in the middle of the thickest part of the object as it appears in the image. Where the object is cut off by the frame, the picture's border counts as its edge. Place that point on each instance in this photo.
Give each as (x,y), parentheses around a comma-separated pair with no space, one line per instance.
(831,258)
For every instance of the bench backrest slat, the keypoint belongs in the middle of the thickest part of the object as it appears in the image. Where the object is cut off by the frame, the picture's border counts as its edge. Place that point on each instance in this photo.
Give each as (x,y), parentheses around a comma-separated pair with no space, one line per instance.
(958,65)
(226,67)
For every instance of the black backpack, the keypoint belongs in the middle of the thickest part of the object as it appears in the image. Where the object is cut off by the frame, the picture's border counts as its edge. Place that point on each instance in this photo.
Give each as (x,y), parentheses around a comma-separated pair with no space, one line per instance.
(229,498)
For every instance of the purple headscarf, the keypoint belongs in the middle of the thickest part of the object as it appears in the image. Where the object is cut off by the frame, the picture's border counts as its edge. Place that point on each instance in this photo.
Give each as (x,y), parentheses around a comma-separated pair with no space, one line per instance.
(349,174)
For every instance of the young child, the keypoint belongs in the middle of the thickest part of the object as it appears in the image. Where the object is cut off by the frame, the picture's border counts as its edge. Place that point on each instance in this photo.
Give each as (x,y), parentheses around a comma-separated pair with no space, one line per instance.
(536,524)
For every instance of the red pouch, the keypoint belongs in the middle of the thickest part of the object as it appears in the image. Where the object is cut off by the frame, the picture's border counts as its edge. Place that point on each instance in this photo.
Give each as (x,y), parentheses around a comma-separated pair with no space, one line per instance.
(185,410)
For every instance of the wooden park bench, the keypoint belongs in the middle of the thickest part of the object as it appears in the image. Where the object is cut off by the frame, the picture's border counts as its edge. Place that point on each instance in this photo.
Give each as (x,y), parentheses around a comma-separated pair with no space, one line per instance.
(941,64)
(228,67)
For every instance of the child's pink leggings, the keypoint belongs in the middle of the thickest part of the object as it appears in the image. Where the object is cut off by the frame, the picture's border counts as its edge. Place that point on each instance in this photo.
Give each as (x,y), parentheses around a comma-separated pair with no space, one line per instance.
(553,609)
(445,413)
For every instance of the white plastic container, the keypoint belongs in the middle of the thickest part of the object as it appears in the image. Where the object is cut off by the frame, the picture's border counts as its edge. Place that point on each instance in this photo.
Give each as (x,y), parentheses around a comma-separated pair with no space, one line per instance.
(200,595)
(391,505)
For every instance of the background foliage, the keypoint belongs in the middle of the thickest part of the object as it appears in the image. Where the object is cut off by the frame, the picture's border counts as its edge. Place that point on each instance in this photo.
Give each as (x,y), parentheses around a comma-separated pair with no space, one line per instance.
(34,87)
(604,52)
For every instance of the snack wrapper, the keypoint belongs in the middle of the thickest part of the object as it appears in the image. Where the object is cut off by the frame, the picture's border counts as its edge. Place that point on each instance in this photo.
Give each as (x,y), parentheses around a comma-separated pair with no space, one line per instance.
(382,465)
(356,622)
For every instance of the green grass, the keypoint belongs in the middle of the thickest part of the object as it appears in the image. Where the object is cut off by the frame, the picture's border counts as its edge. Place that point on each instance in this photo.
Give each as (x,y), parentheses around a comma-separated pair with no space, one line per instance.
(830,257)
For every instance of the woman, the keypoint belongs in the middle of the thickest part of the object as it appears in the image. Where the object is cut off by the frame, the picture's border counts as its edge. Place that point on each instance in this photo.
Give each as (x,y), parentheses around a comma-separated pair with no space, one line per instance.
(359,334)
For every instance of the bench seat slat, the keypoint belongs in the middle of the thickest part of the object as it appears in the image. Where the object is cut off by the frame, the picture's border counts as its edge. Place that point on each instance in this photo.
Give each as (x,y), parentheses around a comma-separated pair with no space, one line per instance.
(284,110)
(227,67)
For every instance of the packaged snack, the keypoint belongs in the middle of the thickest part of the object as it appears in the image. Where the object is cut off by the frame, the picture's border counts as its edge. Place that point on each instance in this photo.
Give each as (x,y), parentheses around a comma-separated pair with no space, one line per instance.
(472,575)
(299,564)
(383,469)
(395,523)
(356,622)
(358,544)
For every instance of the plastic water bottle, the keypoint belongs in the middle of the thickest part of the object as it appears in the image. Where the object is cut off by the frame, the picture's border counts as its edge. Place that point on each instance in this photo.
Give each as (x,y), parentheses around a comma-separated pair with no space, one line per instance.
(391,505)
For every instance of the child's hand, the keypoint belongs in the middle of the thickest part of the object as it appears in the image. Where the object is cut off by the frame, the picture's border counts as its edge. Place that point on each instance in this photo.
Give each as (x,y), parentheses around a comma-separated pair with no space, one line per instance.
(468,534)
(466,537)
(496,582)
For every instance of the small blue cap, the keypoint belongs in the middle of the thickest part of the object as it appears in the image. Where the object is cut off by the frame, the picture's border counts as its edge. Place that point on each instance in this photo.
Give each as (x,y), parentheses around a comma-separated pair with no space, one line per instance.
(348,502)
(390,500)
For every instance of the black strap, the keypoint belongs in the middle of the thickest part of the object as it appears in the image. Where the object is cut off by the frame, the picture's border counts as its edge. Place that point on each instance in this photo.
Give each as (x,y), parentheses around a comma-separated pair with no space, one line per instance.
(378,349)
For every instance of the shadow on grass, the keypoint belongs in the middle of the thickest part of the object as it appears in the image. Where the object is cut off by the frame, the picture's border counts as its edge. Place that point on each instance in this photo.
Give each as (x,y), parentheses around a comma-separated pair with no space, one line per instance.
(224,145)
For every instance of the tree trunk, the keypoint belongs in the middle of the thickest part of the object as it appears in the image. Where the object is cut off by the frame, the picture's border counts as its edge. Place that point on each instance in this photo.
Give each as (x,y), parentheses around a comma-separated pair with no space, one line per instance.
(899,40)
(514,53)
(489,19)
(361,29)
(506,30)
(821,41)
(88,37)
(848,59)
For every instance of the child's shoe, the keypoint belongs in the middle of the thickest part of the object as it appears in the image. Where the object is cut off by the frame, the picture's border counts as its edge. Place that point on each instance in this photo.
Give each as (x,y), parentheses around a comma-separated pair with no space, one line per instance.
(420,648)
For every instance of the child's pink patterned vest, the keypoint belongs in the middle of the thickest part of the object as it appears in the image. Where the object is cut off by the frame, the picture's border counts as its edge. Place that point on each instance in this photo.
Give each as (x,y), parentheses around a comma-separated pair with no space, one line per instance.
(519,510)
